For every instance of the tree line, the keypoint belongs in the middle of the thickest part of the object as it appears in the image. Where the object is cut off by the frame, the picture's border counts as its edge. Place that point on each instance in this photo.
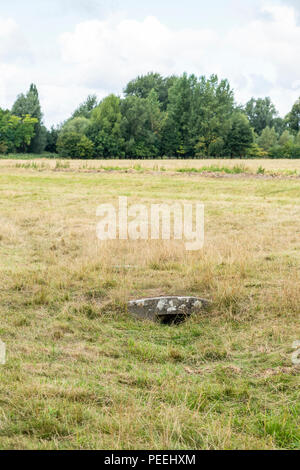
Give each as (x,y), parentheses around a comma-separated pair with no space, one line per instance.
(175,117)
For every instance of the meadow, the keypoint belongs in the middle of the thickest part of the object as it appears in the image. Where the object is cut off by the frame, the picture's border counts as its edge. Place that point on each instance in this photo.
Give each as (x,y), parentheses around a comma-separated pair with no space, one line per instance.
(276,167)
(81,373)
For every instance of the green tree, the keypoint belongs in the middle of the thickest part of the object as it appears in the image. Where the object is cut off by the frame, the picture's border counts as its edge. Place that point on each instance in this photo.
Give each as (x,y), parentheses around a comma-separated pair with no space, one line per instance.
(85,148)
(175,135)
(52,136)
(268,138)
(211,110)
(215,148)
(240,136)
(293,118)
(254,151)
(197,116)
(156,121)
(16,133)
(67,144)
(280,125)
(286,139)
(29,104)
(5,143)
(74,145)
(144,84)
(76,125)
(85,109)
(294,151)
(139,127)
(261,113)
(105,128)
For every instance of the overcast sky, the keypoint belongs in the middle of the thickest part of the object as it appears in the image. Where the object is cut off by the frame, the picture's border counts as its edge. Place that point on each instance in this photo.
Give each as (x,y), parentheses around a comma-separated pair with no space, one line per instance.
(72,48)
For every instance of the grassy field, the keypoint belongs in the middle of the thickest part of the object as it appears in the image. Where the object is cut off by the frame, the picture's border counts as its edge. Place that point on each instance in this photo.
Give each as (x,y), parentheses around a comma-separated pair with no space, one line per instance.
(82,374)
(280,167)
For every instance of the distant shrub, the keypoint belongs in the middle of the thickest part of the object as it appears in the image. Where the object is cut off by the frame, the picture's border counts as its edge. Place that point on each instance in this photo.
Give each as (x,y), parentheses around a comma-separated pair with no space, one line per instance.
(235,170)
(3,147)
(261,170)
(85,148)
(74,145)
(67,144)
(275,152)
(295,151)
(256,152)
(285,151)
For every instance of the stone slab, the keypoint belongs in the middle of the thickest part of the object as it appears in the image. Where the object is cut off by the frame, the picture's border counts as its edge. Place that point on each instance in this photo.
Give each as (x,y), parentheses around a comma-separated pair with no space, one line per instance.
(167,309)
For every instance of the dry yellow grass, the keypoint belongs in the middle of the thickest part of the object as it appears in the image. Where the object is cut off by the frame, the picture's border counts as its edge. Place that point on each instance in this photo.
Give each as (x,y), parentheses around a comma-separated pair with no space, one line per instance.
(277,165)
(81,373)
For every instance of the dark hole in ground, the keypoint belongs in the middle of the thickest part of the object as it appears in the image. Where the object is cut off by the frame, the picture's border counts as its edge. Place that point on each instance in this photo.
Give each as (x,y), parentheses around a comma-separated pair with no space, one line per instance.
(172,319)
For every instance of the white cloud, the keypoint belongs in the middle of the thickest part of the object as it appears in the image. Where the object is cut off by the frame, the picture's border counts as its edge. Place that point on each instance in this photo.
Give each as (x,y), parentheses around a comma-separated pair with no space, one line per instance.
(260,58)
(13,43)
(265,51)
(58,101)
(15,60)
(110,53)
(9,33)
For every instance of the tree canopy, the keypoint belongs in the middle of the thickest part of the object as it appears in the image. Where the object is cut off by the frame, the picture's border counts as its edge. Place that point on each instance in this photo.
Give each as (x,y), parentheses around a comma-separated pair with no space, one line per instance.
(157,117)
(293,118)
(261,113)
(29,104)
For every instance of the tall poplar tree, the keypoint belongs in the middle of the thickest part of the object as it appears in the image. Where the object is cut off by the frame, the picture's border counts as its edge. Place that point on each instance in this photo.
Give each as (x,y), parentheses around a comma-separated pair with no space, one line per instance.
(29,104)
